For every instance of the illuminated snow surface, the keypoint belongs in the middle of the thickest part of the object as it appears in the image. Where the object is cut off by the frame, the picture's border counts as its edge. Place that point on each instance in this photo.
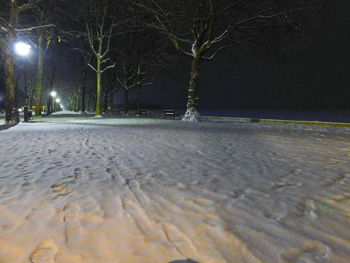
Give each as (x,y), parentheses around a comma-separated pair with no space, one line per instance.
(84,190)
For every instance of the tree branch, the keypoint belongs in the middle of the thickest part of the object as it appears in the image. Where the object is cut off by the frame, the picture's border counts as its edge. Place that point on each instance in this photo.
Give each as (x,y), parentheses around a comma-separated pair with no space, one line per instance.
(216,52)
(28,6)
(3,29)
(111,66)
(92,67)
(90,38)
(24,30)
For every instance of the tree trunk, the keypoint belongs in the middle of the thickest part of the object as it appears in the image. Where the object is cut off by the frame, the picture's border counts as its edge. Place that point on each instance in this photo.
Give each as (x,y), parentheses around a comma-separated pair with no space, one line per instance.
(11,107)
(26,108)
(193,92)
(48,105)
(39,77)
(138,97)
(77,106)
(52,80)
(126,101)
(30,99)
(12,115)
(88,102)
(28,94)
(99,88)
(76,102)
(83,92)
(111,101)
(105,104)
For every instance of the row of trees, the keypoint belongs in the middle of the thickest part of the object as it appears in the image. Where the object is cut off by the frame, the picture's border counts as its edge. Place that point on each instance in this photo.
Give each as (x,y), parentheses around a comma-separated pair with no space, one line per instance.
(133,40)
(23,20)
(114,42)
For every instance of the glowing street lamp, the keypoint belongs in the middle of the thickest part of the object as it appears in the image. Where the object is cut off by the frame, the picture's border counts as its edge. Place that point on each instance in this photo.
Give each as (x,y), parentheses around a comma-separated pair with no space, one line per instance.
(58,100)
(51,104)
(53,94)
(22,49)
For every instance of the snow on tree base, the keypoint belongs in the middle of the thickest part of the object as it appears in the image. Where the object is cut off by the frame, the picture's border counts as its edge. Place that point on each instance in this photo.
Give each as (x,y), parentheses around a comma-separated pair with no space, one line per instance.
(11,122)
(191,115)
(98,117)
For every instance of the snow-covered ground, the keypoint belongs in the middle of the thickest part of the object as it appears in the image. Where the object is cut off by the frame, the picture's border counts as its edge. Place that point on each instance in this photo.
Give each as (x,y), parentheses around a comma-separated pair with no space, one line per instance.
(82,190)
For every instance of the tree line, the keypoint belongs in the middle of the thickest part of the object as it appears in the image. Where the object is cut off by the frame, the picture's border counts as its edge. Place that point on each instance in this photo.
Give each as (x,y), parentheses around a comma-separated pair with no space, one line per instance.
(127,43)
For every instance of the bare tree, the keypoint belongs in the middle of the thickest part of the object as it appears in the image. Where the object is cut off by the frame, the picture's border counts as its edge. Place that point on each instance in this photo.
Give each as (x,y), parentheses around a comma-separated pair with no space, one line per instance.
(87,58)
(11,27)
(83,89)
(126,78)
(25,83)
(50,79)
(200,29)
(73,99)
(141,55)
(100,27)
(45,37)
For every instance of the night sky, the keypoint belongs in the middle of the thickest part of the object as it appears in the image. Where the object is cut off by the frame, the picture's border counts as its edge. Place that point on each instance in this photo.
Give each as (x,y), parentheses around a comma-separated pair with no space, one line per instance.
(307,75)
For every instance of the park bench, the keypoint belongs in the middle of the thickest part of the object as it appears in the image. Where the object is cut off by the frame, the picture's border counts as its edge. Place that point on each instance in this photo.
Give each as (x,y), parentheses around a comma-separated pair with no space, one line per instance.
(170,113)
(144,113)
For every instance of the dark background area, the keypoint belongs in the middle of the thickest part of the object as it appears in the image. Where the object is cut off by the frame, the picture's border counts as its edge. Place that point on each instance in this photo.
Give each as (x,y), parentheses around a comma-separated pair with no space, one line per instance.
(308,75)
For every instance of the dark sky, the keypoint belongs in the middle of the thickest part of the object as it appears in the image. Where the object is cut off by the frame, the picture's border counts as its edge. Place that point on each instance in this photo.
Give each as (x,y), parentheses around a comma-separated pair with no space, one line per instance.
(309,74)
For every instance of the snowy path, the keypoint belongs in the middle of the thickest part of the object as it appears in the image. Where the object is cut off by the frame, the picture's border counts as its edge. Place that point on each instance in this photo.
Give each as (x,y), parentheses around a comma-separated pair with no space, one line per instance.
(164,192)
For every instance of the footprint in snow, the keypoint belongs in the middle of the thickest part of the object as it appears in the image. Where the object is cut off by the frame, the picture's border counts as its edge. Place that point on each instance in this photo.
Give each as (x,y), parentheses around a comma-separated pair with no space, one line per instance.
(311,251)
(44,253)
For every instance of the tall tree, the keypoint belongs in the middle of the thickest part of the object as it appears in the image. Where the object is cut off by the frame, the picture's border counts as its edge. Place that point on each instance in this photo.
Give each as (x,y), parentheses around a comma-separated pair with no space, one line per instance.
(141,55)
(99,34)
(200,29)
(86,60)
(97,22)
(45,37)
(12,15)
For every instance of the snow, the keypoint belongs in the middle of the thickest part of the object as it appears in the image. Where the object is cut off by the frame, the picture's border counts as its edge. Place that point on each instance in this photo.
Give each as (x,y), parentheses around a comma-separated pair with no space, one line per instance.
(191,115)
(60,113)
(75,189)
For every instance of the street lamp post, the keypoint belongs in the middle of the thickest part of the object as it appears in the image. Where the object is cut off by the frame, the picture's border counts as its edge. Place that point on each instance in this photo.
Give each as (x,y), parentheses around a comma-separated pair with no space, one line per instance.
(58,100)
(53,95)
(23,49)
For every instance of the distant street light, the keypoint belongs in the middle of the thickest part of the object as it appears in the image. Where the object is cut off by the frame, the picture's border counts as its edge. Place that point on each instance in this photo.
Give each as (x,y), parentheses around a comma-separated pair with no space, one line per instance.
(22,49)
(51,108)
(58,100)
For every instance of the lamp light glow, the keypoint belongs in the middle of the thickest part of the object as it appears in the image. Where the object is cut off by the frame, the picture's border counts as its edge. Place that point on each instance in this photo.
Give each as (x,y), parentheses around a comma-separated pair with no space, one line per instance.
(58,100)
(53,93)
(22,49)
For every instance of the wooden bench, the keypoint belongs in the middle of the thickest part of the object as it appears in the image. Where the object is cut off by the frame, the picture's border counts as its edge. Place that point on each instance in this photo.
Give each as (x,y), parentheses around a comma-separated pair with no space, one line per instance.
(143,113)
(170,113)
